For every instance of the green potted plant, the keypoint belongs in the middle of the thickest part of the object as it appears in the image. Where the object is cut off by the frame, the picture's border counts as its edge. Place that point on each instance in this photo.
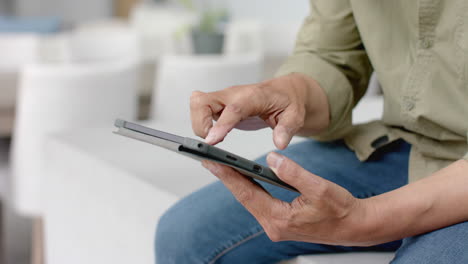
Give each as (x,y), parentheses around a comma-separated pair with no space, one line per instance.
(208,33)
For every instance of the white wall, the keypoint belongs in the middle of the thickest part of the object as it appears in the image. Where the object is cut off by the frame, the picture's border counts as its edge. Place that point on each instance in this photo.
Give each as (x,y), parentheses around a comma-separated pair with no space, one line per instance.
(271,11)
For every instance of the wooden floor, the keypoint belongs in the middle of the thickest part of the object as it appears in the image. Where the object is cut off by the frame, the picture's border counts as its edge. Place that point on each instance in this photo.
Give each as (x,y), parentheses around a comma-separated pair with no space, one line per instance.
(38,242)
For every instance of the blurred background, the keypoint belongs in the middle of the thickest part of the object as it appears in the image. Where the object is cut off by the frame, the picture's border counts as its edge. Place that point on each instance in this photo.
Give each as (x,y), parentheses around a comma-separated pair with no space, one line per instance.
(71,191)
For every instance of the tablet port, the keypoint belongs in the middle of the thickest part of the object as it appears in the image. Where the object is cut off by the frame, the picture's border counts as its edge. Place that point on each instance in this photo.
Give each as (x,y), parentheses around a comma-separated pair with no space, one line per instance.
(200,145)
(257,168)
(231,158)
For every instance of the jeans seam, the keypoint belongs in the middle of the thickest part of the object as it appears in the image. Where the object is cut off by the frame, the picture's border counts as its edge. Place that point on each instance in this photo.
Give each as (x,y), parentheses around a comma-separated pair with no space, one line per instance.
(233,246)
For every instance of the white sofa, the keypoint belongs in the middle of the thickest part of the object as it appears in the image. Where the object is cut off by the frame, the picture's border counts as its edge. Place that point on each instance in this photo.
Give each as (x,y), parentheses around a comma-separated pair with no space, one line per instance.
(55,98)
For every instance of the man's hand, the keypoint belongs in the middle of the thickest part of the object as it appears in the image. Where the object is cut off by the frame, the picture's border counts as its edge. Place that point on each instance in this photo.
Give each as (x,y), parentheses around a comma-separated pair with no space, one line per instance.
(288,104)
(324,213)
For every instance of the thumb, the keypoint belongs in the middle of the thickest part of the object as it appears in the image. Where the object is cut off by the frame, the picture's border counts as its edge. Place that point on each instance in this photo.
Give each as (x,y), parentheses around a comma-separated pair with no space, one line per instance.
(288,124)
(293,174)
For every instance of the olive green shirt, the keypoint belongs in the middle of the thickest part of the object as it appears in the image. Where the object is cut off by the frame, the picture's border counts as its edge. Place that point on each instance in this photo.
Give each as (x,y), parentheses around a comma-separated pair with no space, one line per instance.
(419,51)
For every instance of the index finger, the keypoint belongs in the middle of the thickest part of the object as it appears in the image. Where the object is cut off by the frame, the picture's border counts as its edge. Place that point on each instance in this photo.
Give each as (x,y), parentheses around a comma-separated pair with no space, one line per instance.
(231,115)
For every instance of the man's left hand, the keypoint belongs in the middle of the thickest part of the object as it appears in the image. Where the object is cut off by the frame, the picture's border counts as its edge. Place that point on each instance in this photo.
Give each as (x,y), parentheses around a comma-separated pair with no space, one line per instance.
(324,212)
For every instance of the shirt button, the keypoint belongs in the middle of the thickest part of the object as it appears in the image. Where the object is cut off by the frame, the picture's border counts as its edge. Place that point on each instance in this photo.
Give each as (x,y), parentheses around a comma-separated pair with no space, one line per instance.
(409,105)
(426,43)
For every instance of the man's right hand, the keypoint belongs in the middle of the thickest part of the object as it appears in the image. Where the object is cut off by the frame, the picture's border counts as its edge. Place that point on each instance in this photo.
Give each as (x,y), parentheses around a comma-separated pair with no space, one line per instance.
(289,104)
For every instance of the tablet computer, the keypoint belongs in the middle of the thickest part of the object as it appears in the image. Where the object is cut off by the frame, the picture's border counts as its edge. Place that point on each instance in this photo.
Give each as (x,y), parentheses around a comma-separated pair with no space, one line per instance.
(199,150)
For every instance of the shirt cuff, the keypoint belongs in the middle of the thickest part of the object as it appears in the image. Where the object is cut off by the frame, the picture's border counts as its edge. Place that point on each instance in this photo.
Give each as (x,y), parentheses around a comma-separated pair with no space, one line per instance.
(466,155)
(336,86)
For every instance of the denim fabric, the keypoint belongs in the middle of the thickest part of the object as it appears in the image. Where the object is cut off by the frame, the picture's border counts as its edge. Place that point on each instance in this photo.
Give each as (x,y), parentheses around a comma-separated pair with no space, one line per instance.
(444,246)
(210,226)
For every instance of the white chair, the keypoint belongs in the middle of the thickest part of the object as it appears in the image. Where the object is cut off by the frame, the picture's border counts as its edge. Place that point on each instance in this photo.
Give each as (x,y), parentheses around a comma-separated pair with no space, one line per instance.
(178,76)
(95,41)
(279,38)
(104,41)
(244,36)
(102,24)
(53,48)
(114,42)
(56,98)
(16,50)
(161,30)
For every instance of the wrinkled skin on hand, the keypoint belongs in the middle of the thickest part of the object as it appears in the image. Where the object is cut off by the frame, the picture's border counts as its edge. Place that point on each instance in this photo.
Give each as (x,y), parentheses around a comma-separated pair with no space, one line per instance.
(324,212)
(285,104)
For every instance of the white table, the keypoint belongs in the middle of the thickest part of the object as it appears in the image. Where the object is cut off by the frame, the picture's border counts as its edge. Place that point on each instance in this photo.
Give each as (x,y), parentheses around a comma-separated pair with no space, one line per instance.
(104,193)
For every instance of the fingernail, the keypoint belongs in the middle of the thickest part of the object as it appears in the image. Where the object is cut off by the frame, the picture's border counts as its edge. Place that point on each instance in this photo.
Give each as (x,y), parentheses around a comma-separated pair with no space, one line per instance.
(274,160)
(211,137)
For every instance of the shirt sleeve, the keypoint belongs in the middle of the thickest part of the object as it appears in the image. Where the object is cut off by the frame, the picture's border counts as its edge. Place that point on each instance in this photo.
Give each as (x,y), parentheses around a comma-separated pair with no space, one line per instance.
(329,50)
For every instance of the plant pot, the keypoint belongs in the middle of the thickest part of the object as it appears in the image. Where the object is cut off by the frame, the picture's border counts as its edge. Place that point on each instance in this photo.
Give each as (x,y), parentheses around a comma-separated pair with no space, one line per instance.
(207,42)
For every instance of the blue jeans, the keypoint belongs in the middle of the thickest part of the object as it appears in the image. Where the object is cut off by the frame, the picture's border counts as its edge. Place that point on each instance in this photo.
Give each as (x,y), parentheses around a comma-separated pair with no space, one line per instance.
(210,226)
